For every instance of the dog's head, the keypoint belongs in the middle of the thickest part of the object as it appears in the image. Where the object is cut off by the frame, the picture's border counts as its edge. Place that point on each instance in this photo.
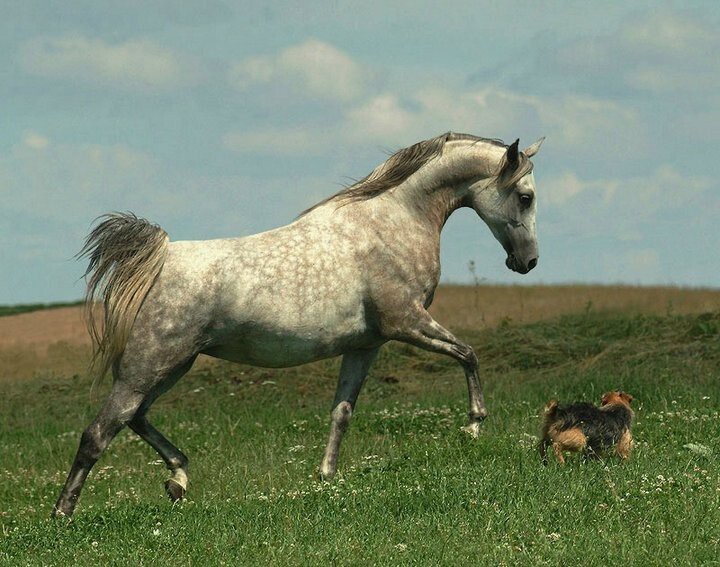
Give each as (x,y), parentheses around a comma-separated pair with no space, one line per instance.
(617,397)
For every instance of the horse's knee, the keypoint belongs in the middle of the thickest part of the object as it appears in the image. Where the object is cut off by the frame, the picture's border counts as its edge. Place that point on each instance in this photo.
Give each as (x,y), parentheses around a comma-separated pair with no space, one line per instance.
(468,358)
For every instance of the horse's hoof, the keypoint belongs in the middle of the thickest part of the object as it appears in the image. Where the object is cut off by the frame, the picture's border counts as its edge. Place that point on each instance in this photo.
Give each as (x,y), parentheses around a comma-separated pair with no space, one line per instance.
(473,429)
(58,515)
(326,476)
(174,490)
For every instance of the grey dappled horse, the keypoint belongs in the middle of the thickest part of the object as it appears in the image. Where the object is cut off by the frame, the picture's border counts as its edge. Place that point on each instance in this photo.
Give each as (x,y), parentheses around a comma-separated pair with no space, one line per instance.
(349,274)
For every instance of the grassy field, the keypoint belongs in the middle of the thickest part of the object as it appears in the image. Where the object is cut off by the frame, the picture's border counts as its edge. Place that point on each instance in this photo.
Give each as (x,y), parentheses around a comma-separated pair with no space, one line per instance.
(412,488)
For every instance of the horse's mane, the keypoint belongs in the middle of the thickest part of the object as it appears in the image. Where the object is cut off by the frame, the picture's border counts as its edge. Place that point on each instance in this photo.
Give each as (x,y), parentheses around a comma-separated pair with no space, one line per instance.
(398,167)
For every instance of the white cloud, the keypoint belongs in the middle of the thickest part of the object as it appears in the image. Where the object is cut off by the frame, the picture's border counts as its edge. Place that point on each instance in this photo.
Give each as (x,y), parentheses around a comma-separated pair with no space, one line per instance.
(575,124)
(665,188)
(411,110)
(560,189)
(662,32)
(382,118)
(656,210)
(135,64)
(313,67)
(35,141)
(659,52)
(569,121)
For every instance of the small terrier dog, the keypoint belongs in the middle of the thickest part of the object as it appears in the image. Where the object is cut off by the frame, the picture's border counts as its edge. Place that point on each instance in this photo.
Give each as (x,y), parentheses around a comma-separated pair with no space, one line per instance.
(585,427)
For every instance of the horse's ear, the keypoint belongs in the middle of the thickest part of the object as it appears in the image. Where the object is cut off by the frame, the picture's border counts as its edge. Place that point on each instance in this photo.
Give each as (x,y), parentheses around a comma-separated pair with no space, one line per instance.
(530,151)
(511,155)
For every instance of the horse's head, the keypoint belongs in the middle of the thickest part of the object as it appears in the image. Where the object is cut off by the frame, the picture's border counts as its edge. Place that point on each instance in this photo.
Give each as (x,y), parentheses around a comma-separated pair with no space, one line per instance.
(506,202)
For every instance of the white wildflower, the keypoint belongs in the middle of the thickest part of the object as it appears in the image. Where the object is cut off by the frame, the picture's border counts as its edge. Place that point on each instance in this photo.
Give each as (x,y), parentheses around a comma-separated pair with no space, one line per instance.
(698,449)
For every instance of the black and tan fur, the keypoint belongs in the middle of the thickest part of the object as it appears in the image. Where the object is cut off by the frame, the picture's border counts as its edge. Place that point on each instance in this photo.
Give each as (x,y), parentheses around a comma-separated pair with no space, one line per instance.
(583,427)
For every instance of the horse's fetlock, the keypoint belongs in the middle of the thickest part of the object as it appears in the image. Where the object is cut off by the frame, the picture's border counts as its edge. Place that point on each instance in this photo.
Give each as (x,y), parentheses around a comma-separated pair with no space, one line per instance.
(477,415)
(472,358)
(179,462)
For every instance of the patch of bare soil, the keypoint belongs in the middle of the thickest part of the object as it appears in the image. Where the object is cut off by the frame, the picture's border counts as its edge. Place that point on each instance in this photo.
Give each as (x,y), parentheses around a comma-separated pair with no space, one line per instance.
(48,341)
(40,329)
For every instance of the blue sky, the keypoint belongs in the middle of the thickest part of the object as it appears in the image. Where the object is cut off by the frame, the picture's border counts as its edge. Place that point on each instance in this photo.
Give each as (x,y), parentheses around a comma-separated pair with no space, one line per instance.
(223,119)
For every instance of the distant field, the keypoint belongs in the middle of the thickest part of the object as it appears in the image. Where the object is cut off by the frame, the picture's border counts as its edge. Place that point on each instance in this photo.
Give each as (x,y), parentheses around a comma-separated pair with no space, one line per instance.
(33,342)
(468,307)
(6,310)
(412,488)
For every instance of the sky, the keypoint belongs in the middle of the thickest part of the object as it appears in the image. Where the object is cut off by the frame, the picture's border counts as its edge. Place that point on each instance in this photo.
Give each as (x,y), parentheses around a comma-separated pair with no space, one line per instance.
(221,119)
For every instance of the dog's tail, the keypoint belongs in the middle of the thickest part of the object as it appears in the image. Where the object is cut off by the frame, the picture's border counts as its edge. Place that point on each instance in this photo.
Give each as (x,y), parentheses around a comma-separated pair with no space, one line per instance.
(549,414)
(550,410)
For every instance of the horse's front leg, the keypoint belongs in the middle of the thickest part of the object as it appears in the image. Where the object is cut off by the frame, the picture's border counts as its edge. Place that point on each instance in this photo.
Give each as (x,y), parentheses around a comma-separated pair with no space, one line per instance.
(421,330)
(354,369)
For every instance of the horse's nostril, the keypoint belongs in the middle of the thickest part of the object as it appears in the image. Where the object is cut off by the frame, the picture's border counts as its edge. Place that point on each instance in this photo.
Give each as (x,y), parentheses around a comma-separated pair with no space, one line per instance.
(532,263)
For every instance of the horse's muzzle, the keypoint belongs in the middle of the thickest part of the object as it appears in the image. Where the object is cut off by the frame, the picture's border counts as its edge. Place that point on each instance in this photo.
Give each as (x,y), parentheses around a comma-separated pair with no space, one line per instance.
(518,266)
(521,248)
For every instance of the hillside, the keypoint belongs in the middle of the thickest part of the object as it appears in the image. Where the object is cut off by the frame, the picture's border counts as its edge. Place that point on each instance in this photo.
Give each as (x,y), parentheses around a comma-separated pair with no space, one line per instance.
(408,475)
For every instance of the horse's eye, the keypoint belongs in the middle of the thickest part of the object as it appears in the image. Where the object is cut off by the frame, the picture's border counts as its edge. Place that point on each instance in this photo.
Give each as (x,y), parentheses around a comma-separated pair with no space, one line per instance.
(526,199)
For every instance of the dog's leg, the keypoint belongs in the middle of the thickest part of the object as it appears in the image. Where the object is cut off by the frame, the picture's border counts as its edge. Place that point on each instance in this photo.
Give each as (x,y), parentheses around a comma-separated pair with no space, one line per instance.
(543,447)
(569,440)
(624,445)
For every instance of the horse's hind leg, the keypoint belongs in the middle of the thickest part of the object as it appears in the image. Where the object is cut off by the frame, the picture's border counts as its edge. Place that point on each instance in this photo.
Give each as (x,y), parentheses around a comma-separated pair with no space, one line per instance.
(136,386)
(120,407)
(175,460)
(354,369)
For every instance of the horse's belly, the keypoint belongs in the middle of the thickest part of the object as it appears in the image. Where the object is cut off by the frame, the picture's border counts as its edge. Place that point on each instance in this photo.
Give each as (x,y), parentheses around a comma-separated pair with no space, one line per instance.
(266,341)
(280,350)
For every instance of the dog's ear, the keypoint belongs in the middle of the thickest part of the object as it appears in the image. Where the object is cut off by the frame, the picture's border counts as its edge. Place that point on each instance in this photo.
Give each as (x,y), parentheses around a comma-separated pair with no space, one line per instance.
(627,397)
(605,399)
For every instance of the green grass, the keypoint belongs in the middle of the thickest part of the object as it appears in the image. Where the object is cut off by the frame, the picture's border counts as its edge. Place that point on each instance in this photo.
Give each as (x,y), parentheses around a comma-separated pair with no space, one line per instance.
(412,488)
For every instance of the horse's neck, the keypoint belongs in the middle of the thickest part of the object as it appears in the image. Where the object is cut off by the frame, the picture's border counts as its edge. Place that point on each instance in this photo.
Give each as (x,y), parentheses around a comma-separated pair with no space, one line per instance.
(436,190)
(429,202)
(436,207)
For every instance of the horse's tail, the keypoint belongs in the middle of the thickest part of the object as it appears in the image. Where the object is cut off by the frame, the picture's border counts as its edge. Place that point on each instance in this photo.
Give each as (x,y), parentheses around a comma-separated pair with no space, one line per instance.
(126,254)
